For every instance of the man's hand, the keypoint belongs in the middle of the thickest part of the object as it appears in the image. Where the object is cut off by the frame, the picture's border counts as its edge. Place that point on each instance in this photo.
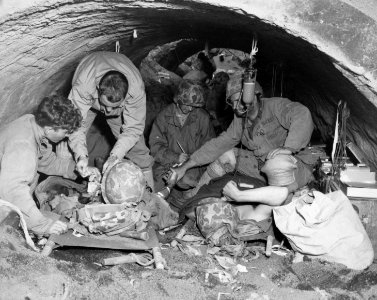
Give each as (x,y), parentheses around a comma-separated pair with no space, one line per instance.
(111,161)
(58,227)
(277,151)
(95,174)
(176,175)
(231,191)
(82,166)
(62,150)
(182,158)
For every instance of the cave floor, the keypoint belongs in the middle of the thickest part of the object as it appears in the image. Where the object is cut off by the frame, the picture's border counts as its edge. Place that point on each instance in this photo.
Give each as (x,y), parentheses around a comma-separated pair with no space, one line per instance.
(76,274)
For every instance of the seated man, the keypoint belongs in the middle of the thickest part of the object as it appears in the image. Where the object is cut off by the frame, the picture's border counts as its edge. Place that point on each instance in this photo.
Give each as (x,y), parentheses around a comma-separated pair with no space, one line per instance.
(266,127)
(179,130)
(284,174)
(26,149)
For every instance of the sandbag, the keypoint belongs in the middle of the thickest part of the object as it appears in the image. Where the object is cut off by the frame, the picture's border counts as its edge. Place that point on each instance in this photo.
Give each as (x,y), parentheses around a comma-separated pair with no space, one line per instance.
(326,227)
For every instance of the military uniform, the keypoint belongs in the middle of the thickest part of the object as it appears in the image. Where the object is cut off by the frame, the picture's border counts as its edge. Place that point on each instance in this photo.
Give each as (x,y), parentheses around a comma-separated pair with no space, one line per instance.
(126,123)
(280,123)
(167,132)
(24,152)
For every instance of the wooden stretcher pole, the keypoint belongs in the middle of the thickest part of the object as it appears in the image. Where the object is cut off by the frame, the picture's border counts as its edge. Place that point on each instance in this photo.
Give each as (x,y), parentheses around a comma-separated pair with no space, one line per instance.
(182,232)
(159,261)
(270,240)
(124,259)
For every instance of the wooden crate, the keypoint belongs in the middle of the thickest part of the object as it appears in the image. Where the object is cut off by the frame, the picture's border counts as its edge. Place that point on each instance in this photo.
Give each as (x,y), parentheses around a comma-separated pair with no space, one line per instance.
(367,209)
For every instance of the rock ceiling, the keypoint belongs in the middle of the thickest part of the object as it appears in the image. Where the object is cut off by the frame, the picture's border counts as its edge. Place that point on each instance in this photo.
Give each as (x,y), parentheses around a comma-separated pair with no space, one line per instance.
(323,51)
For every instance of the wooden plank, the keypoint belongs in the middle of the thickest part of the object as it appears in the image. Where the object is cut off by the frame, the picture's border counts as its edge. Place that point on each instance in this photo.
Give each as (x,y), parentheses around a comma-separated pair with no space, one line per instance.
(113,242)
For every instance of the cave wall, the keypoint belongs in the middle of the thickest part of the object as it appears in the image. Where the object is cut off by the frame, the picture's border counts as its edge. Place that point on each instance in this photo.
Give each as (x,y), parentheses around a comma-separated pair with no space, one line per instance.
(324,48)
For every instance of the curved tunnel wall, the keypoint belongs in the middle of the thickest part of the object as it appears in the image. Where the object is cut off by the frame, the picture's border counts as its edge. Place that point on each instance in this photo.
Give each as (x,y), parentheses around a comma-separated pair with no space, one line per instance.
(324,48)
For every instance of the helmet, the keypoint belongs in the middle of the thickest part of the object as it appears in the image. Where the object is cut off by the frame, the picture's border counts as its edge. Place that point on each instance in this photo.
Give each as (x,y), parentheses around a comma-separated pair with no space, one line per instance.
(124,182)
(215,220)
(189,94)
(234,86)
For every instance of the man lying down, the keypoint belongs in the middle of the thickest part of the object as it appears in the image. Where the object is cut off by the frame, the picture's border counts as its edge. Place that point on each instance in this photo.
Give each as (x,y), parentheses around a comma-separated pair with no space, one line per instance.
(242,203)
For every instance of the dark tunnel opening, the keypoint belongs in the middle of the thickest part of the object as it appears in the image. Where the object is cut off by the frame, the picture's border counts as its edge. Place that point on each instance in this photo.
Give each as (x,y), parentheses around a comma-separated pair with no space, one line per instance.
(287,65)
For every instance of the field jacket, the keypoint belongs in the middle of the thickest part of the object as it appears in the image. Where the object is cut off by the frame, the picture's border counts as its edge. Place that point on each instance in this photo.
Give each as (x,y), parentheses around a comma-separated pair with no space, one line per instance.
(167,132)
(84,95)
(24,151)
(281,123)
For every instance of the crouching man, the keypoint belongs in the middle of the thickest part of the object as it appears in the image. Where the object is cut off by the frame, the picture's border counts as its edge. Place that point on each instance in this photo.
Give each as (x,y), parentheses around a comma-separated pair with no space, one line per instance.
(26,148)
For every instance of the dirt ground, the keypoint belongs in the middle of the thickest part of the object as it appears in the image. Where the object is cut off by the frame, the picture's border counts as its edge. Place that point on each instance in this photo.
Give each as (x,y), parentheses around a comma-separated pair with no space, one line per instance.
(76,274)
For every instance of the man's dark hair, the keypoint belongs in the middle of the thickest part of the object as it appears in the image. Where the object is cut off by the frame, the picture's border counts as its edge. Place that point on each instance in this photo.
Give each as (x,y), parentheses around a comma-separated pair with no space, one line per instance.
(58,112)
(114,85)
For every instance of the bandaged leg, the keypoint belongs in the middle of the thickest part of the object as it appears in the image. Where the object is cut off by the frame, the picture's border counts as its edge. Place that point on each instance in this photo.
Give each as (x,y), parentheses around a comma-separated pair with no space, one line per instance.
(224,164)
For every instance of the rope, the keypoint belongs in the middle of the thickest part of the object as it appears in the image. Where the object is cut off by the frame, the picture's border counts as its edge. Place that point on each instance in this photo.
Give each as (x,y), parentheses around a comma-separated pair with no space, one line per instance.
(29,241)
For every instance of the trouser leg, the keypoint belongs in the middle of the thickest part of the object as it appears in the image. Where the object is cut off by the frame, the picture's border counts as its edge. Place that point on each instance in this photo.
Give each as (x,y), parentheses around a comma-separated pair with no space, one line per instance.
(225,163)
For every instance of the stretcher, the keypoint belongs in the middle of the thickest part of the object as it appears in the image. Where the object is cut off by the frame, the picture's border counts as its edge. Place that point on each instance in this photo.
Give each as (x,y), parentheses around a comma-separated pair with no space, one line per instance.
(108,242)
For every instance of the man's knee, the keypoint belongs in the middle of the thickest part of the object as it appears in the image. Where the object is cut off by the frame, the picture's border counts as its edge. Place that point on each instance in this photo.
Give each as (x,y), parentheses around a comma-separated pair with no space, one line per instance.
(224,164)
(280,170)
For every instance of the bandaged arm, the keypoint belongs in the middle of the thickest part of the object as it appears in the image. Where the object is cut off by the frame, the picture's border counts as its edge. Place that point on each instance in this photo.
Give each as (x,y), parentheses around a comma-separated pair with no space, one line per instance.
(269,195)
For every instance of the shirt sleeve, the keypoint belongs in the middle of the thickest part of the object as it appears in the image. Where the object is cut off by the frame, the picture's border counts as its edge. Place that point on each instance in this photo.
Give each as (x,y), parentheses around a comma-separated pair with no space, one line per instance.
(50,164)
(297,119)
(159,144)
(18,169)
(133,124)
(77,140)
(211,150)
